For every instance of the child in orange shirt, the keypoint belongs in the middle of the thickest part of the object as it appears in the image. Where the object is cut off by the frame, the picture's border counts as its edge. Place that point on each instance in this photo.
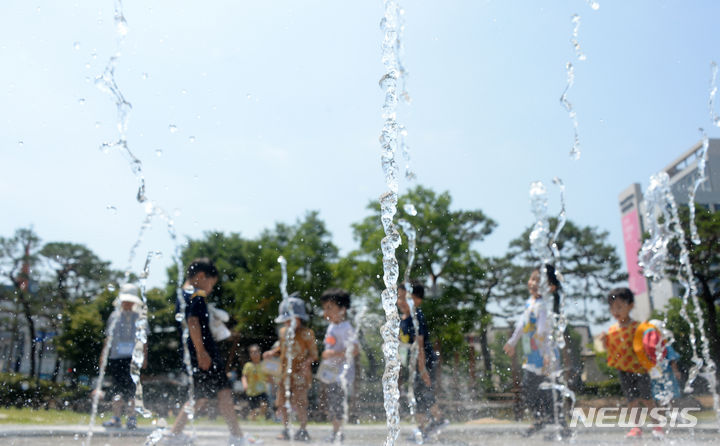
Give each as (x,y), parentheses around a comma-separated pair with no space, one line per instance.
(634,380)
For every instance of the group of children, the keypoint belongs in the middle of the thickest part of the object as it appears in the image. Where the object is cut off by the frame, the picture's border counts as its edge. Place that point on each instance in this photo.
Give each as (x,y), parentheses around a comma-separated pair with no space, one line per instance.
(340,343)
(630,346)
(297,343)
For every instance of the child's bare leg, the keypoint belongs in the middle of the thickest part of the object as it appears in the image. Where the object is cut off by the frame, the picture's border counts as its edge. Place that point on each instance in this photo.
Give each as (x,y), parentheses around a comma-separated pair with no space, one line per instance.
(421,419)
(300,405)
(118,406)
(227,409)
(182,417)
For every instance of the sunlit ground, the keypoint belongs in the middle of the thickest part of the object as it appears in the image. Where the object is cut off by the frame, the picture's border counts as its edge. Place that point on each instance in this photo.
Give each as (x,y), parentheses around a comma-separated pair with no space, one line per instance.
(25,427)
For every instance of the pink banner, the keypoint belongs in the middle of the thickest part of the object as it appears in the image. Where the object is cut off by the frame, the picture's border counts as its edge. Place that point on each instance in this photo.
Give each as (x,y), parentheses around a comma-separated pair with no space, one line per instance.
(633,242)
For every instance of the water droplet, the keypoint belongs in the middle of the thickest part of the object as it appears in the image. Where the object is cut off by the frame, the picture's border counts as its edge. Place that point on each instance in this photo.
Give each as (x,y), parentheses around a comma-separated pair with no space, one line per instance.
(144,76)
(81,101)
(173,128)
(122,26)
(595,6)
(59,316)
(410,209)
(177,213)
(76,45)
(196,177)
(110,287)
(21,143)
(178,317)
(112,209)
(191,139)
(183,91)
(159,153)
(97,124)
(249,96)
(76,437)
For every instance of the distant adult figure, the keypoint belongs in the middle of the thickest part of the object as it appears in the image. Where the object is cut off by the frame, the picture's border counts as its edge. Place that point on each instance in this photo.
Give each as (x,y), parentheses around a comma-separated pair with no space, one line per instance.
(120,355)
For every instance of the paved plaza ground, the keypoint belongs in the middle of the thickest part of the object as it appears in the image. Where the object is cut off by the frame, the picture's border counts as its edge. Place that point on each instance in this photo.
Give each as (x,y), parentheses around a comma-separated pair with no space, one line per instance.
(370,434)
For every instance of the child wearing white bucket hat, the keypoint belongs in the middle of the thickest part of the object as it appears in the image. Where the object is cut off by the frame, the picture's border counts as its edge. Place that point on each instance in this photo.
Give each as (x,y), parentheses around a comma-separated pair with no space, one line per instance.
(122,321)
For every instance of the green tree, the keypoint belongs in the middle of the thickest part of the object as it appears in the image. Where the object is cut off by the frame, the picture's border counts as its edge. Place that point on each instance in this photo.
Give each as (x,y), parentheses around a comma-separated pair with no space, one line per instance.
(480,281)
(249,285)
(311,255)
(445,256)
(705,262)
(75,275)
(18,257)
(589,264)
(83,333)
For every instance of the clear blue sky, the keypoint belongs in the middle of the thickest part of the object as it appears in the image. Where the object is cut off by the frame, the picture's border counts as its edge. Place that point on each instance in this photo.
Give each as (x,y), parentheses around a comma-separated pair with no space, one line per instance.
(282,100)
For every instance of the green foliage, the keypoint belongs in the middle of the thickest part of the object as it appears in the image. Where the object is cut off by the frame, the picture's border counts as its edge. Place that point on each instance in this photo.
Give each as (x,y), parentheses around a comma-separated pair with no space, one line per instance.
(445,260)
(20,391)
(601,361)
(250,273)
(83,333)
(610,387)
(502,363)
(163,338)
(705,261)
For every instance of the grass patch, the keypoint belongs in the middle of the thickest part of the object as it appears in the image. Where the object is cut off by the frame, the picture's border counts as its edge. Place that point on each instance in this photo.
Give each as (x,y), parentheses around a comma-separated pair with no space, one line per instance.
(32,416)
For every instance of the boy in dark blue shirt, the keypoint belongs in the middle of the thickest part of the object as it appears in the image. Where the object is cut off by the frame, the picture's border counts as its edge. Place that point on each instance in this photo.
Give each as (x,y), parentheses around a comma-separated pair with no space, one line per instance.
(428,416)
(209,377)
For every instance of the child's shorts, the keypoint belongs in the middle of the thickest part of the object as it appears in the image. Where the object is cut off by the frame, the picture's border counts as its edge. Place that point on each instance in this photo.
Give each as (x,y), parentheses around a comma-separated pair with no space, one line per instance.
(335,401)
(209,382)
(256,401)
(636,385)
(122,383)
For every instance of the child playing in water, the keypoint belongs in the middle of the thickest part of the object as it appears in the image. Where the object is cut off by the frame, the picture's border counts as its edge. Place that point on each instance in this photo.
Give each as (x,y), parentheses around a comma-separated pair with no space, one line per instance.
(120,356)
(533,328)
(634,380)
(428,415)
(304,352)
(209,377)
(340,337)
(254,381)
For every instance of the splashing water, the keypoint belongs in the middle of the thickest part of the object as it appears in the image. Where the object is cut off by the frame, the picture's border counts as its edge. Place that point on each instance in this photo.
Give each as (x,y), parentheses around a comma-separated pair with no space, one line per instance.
(575,42)
(660,372)
(544,247)
(349,364)
(659,201)
(714,118)
(289,341)
(101,372)
(141,333)
(388,205)
(107,83)
(411,235)
(701,178)
(405,149)
(570,70)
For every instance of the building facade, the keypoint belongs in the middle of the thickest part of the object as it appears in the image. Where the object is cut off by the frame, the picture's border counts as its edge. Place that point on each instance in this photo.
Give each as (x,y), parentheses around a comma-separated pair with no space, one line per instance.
(683,173)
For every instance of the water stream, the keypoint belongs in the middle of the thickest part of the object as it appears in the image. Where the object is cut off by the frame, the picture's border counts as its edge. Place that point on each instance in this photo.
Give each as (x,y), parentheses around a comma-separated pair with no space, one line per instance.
(388,205)
(108,84)
(660,202)
(289,341)
(544,247)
